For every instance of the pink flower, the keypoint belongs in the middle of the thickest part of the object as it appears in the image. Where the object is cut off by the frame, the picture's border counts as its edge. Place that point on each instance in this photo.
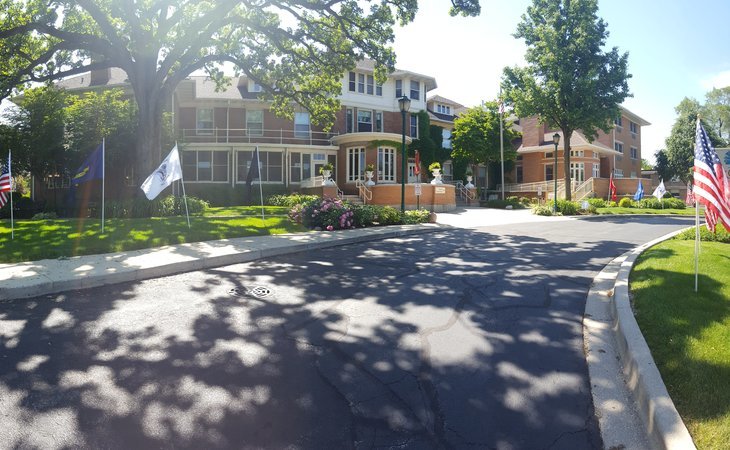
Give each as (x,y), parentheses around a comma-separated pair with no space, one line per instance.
(329,228)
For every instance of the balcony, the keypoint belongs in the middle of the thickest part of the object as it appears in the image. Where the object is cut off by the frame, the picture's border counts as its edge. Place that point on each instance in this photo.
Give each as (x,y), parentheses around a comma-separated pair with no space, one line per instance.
(254,136)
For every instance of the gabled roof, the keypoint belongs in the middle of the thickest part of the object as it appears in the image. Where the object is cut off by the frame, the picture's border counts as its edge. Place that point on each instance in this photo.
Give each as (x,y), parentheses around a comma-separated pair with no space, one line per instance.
(117,77)
(577,142)
(444,101)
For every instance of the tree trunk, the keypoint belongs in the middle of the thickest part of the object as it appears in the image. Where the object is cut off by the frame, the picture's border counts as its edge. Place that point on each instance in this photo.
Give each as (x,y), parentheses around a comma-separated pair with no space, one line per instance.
(566,161)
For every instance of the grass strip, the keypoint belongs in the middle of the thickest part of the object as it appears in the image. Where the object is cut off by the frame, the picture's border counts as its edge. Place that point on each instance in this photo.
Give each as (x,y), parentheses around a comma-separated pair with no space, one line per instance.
(674,212)
(689,332)
(43,239)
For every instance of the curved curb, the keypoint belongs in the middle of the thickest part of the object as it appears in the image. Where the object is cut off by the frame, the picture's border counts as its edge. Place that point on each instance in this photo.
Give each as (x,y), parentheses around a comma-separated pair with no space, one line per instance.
(630,399)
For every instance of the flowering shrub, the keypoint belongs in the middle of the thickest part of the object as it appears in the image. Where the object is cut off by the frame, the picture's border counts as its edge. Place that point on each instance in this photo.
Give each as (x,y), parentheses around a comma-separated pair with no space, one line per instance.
(324,214)
(416,216)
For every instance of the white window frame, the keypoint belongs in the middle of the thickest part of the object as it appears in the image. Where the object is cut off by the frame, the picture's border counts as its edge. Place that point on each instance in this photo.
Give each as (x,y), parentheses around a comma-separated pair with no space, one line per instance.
(254,131)
(386,164)
(254,86)
(352,82)
(596,170)
(578,169)
(302,125)
(265,167)
(201,165)
(417,90)
(365,113)
(445,138)
(577,153)
(360,83)
(414,126)
(398,88)
(201,122)
(355,167)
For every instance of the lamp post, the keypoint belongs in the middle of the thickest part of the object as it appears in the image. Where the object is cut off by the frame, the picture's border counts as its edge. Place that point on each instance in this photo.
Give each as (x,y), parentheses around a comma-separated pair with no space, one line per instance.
(404,103)
(556,141)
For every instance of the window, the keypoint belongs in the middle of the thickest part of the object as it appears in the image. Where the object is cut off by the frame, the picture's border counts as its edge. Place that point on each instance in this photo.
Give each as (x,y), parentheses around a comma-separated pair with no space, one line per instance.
(618,146)
(577,153)
(634,153)
(364,121)
(370,84)
(205,166)
(355,163)
(349,118)
(204,120)
(255,123)
(633,127)
(415,90)
(520,174)
(386,164)
(301,124)
(271,166)
(361,83)
(58,181)
(379,89)
(254,86)
(548,155)
(633,174)
(596,170)
(446,136)
(352,82)
(414,126)
(577,172)
(619,123)
(398,88)
(443,109)
(548,172)
(379,121)
(618,173)
(295,167)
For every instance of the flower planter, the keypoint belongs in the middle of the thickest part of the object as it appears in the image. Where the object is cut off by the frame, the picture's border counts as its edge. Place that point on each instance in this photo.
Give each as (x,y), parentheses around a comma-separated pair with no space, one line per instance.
(468,181)
(436,176)
(369,175)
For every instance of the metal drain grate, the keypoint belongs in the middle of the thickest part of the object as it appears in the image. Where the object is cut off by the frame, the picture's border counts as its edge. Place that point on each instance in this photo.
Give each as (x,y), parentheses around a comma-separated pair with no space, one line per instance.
(253,291)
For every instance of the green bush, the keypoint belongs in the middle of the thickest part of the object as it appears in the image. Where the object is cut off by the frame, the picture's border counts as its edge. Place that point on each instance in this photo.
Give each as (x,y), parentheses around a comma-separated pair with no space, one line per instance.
(289,200)
(164,207)
(387,215)
(416,216)
(45,216)
(365,215)
(720,235)
(626,202)
(597,202)
(568,208)
(514,202)
(525,201)
(591,209)
(674,203)
(323,214)
(654,203)
(542,210)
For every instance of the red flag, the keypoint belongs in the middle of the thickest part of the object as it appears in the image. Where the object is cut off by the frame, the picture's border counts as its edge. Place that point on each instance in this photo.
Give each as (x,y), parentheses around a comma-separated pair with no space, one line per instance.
(612,189)
(690,200)
(417,169)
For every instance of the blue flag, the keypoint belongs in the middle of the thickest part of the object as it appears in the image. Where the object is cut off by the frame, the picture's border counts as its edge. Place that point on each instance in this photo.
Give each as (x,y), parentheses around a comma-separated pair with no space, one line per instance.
(639,192)
(92,168)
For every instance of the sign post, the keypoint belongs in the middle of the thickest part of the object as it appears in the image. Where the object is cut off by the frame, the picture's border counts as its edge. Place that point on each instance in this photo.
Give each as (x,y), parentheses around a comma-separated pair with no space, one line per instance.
(418,194)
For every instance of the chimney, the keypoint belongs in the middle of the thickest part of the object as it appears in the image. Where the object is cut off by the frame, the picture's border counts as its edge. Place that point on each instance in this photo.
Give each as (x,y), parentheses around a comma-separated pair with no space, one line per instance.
(100,76)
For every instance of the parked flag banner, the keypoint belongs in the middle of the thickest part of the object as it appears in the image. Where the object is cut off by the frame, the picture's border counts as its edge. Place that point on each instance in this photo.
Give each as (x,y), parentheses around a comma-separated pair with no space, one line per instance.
(253,169)
(417,169)
(5,183)
(690,199)
(660,191)
(710,182)
(612,189)
(639,192)
(168,171)
(92,168)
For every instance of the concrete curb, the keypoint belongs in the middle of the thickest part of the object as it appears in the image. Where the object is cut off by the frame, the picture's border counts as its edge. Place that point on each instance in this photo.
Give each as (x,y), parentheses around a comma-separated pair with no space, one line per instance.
(614,343)
(49,276)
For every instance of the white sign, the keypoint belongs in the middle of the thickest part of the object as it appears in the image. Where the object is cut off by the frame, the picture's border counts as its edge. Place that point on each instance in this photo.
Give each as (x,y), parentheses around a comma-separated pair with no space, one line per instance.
(539,191)
(440,190)
(418,189)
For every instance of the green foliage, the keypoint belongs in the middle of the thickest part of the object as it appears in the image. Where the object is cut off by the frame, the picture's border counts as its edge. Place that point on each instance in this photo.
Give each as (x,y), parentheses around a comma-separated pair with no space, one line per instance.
(414,216)
(289,200)
(514,202)
(662,167)
(542,210)
(717,111)
(141,207)
(597,202)
(475,137)
(570,83)
(568,208)
(626,202)
(387,215)
(45,216)
(720,235)
(323,214)
(646,165)
(365,215)
(433,166)
(425,143)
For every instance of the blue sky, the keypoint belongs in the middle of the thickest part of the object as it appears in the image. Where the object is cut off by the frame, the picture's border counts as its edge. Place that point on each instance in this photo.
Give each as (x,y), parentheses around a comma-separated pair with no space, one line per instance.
(676,49)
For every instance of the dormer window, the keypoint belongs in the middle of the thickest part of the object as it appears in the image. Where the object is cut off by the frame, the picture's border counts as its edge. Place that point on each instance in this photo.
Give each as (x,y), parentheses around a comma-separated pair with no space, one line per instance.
(254,86)
(363,84)
(443,109)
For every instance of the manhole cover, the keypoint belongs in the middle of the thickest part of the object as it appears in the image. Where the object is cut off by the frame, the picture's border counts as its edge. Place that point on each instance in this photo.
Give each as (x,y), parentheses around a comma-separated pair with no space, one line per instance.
(253,291)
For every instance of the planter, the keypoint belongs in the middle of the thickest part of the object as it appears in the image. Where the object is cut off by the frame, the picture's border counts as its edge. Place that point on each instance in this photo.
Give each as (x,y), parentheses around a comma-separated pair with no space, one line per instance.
(326,178)
(370,181)
(468,181)
(436,176)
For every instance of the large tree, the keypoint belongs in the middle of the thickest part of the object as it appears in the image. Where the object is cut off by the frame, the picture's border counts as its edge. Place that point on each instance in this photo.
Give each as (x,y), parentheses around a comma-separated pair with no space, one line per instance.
(475,137)
(717,110)
(297,50)
(570,82)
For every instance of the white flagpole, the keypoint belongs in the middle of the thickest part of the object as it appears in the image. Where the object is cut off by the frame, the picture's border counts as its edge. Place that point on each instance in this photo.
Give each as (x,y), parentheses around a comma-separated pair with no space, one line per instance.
(501,139)
(182,183)
(10,174)
(261,185)
(103,179)
(697,241)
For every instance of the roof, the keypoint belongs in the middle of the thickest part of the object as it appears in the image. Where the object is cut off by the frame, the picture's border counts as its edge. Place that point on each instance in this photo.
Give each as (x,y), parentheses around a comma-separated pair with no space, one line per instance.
(368,65)
(577,142)
(117,77)
(634,117)
(444,101)
(205,88)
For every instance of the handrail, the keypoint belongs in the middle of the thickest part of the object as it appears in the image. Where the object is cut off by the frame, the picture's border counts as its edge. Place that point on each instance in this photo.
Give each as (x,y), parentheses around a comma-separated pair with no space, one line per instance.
(256,136)
(312,182)
(583,190)
(363,191)
(464,192)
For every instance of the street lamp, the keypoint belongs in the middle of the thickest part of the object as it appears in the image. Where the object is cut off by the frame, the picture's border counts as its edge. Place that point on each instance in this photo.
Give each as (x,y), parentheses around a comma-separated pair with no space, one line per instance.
(556,141)
(404,103)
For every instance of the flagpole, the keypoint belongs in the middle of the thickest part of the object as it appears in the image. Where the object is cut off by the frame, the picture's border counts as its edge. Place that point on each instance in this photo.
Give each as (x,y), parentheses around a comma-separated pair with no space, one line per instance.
(10,174)
(182,183)
(501,138)
(103,179)
(261,185)
(697,241)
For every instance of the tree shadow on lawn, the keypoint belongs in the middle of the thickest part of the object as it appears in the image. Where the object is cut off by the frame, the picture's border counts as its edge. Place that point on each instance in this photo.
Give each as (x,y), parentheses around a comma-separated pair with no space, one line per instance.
(447,340)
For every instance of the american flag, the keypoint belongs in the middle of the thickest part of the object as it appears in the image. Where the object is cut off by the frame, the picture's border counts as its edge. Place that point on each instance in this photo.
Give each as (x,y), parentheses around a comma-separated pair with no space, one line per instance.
(5,184)
(710,185)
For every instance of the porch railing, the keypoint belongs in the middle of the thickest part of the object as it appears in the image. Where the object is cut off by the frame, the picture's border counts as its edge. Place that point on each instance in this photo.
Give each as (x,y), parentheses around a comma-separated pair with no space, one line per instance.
(255,136)
(365,193)
(464,192)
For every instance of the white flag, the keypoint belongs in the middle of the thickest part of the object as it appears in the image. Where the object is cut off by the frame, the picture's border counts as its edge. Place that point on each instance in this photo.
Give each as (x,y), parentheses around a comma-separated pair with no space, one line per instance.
(660,191)
(169,171)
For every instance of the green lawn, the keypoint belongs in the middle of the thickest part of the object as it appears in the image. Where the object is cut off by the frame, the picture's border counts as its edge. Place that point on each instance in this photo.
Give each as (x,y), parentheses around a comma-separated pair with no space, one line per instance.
(71,237)
(231,211)
(688,332)
(679,212)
